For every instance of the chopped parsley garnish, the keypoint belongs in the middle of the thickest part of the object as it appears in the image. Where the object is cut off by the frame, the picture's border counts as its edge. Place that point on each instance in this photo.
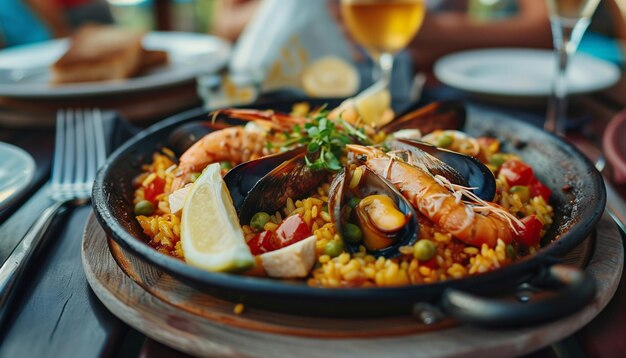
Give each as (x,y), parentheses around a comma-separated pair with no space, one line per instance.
(325,140)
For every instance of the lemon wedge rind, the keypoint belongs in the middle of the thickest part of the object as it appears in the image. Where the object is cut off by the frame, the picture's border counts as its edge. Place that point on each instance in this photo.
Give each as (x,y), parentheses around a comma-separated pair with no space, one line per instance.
(211,236)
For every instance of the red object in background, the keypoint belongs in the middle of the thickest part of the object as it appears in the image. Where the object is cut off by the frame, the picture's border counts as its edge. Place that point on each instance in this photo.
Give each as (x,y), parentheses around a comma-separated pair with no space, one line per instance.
(71,3)
(614,146)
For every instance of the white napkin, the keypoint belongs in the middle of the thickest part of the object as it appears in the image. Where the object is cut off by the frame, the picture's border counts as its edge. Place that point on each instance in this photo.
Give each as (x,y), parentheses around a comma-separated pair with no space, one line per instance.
(283,38)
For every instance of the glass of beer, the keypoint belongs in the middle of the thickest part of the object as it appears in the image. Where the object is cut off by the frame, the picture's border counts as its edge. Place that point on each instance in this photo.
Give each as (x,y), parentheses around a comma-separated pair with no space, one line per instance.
(383,27)
(569,20)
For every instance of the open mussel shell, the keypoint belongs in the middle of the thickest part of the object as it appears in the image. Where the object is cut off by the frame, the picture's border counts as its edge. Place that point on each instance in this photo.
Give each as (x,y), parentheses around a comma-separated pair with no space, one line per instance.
(369,184)
(241,179)
(437,115)
(458,168)
(292,178)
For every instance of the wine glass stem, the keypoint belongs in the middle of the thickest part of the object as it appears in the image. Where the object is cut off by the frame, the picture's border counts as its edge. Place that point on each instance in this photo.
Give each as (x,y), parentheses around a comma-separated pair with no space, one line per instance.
(567,36)
(385,60)
(557,110)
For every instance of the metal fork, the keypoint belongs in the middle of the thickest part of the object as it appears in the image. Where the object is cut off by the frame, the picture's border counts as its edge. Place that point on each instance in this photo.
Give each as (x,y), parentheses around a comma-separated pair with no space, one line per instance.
(79,152)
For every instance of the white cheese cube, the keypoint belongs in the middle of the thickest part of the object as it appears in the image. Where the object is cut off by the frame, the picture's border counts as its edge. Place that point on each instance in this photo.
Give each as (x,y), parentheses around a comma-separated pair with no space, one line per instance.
(177,199)
(295,260)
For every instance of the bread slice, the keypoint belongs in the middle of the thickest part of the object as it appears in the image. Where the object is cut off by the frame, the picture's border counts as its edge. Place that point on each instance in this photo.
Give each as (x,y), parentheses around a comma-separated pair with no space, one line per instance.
(99,53)
(151,59)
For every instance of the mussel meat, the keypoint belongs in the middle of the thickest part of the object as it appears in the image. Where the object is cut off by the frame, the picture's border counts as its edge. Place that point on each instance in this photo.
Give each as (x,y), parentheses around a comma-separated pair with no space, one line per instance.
(458,168)
(367,210)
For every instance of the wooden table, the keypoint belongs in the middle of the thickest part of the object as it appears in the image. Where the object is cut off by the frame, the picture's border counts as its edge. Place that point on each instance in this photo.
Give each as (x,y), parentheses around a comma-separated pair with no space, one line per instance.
(58,315)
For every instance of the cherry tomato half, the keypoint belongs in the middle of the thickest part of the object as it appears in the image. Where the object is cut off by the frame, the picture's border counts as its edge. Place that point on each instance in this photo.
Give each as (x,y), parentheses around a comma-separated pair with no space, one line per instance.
(537,188)
(530,234)
(516,172)
(261,243)
(154,189)
(292,230)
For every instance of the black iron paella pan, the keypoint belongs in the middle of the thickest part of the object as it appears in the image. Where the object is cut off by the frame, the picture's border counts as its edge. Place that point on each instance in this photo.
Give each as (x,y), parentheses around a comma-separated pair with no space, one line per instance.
(556,163)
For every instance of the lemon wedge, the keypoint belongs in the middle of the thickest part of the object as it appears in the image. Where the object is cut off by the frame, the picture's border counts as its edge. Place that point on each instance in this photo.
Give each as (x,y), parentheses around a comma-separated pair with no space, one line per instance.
(210,234)
(375,107)
(330,76)
(371,107)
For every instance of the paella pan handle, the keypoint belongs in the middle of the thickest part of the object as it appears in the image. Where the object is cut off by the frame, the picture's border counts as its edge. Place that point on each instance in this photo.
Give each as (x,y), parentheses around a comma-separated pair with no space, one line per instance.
(573,289)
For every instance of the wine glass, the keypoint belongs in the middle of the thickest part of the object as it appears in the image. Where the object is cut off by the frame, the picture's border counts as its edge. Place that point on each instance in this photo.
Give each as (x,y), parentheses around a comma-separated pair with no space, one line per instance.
(569,20)
(383,27)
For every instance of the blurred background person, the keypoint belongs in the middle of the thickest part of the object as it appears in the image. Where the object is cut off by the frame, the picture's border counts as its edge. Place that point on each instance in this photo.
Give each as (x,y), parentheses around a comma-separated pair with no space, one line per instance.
(453,25)
(27,21)
(231,16)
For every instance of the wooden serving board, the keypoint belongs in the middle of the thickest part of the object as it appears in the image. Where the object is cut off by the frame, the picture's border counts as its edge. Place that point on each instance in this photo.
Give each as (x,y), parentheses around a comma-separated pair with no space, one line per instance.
(177,315)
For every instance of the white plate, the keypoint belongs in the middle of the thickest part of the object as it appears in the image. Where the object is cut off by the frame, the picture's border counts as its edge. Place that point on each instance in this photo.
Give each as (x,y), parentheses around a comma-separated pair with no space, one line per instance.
(17,169)
(521,72)
(24,70)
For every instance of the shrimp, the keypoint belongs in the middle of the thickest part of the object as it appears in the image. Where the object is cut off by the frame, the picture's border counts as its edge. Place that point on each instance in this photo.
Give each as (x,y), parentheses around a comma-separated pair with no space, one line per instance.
(234,144)
(276,120)
(474,225)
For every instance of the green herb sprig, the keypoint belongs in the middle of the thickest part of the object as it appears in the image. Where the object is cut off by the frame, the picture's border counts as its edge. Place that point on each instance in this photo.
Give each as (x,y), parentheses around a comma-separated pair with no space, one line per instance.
(325,140)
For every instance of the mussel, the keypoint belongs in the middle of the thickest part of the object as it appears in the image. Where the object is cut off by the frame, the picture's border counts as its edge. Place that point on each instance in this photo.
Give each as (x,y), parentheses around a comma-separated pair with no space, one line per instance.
(265,184)
(437,115)
(458,168)
(383,218)
(241,179)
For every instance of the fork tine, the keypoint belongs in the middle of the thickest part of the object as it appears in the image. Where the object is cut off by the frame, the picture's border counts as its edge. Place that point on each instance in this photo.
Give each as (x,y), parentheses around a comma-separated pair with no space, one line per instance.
(59,145)
(79,175)
(99,132)
(67,162)
(90,135)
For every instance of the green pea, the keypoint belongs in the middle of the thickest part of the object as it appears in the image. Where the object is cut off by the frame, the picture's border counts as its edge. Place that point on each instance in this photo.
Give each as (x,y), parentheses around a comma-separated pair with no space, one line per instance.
(325,207)
(497,159)
(353,202)
(424,250)
(259,220)
(144,207)
(445,140)
(352,233)
(226,166)
(334,248)
(522,191)
(510,252)
(194,176)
